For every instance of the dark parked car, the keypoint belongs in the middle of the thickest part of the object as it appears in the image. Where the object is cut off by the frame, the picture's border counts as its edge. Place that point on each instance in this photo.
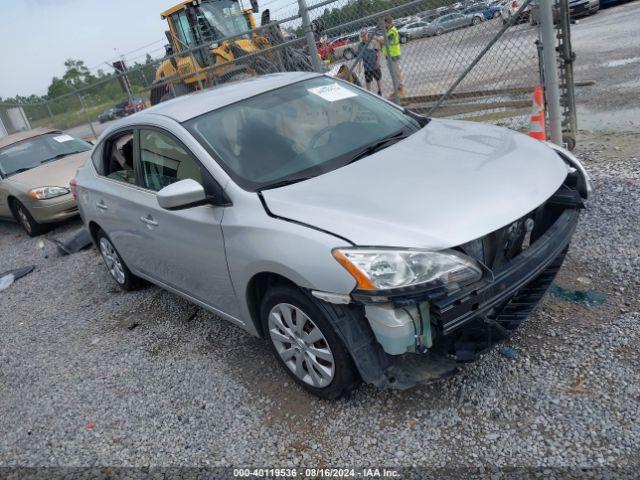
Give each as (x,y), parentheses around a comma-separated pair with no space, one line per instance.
(130,107)
(110,114)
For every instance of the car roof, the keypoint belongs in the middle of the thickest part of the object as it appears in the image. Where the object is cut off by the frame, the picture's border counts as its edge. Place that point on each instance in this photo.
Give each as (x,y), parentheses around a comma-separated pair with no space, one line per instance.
(20,136)
(193,105)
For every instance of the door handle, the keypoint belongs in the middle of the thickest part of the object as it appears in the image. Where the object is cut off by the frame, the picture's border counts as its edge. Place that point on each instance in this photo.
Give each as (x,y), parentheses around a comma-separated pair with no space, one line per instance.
(149,221)
(101,205)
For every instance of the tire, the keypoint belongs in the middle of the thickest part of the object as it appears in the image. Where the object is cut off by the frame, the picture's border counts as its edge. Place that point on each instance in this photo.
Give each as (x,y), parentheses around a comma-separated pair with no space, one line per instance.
(348,54)
(496,14)
(26,220)
(116,267)
(404,39)
(439,32)
(179,89)
(330,376)
(476,21)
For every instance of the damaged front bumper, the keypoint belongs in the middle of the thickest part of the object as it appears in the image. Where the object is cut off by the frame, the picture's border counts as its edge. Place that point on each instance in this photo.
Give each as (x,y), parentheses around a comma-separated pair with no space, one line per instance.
(419,339)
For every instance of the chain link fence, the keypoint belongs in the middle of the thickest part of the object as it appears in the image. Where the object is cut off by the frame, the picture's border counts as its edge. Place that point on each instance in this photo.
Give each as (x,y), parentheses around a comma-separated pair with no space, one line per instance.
(467,60)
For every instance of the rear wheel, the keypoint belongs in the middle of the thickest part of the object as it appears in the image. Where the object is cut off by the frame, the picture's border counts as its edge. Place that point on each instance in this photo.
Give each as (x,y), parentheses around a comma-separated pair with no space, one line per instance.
(178,90)
(404,39)
(115,265)
(26,220)
(306,344)
(348,54)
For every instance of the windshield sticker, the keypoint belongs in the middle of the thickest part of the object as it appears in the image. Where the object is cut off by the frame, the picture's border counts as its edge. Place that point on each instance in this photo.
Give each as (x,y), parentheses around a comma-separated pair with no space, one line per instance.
(332,92)
(63,138)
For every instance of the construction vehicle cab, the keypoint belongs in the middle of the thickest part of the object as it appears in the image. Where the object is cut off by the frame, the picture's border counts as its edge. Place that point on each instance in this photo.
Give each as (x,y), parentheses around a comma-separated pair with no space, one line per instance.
(207,39)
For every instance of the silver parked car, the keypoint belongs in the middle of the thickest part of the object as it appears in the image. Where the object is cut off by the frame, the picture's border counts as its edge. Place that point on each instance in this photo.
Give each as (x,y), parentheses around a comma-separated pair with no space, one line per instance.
(453,21)
(365,242)
(414,30)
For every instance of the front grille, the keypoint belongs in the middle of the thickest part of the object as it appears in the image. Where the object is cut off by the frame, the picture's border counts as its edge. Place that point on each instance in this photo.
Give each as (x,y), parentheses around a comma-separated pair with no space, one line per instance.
(498,247)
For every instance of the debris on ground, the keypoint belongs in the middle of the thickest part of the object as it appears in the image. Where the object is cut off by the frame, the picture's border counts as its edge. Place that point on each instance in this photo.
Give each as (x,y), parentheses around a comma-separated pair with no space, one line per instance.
(80,240)
(587,297)
(6,281)
(508,352)
(7,278)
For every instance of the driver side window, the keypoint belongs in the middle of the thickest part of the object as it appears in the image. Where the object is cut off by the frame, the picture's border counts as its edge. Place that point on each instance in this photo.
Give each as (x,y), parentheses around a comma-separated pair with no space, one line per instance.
(164,161)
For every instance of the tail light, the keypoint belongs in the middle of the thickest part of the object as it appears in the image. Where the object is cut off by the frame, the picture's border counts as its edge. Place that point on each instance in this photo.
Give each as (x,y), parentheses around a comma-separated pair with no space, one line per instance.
(73,186)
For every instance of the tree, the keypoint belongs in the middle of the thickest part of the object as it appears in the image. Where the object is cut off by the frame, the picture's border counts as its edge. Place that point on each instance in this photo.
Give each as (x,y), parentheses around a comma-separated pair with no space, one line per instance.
(77,74)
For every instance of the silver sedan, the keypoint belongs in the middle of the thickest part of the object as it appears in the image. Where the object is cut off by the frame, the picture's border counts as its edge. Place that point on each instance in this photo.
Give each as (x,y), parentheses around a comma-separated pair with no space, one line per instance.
(363,241)
(452,21)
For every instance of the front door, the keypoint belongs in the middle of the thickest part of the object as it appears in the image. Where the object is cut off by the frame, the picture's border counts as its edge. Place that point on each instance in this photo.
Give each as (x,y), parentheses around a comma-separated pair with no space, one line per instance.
(187,246)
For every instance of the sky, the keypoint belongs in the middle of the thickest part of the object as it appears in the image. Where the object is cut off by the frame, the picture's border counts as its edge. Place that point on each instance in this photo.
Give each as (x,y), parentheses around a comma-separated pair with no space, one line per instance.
(37,36)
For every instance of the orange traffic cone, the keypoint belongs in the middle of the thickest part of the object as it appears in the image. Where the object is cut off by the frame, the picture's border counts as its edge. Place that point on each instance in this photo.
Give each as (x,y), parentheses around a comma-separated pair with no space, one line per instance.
(537,128)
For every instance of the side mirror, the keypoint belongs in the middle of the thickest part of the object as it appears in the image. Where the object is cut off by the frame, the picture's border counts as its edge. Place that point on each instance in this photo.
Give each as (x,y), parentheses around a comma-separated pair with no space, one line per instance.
(183,194)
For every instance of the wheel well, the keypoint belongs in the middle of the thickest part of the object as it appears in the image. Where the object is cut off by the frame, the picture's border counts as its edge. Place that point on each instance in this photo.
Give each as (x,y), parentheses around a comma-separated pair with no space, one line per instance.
(256,289)
(94,228)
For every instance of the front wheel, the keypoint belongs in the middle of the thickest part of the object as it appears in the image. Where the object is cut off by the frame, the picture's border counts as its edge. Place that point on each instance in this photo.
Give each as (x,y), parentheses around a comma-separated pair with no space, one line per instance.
(404,39)
(26,220)
(476,20)
(306,344)
(348,54)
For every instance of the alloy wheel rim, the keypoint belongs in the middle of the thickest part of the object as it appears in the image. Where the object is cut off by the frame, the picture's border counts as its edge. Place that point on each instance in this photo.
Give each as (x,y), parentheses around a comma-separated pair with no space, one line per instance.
(112,260)
(24,220)
(301,345)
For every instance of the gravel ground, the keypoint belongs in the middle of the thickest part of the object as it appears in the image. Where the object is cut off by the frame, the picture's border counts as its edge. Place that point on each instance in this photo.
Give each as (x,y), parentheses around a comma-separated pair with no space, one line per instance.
(92,376)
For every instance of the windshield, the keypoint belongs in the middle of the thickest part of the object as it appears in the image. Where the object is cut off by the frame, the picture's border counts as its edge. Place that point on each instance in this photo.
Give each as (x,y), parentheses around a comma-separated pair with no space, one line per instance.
(223,17)
(298,131)
(33,152)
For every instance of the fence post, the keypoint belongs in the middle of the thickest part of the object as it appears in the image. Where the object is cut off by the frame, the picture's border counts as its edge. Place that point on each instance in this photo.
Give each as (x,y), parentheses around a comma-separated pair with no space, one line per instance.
(196,67)
(84,108)
(567,90)
(551,87)
(311,41)
(49,109)
(392,70)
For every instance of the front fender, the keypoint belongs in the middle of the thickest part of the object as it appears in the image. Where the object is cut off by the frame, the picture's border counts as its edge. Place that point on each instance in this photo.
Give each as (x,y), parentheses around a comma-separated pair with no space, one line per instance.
(585,187)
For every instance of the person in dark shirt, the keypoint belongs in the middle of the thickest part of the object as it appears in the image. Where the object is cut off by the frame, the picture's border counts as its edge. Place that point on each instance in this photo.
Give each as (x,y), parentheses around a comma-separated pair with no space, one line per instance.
(370,61)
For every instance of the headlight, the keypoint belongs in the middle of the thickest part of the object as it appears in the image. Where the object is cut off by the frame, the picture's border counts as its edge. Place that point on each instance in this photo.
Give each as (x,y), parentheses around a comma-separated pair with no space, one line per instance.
(377,269)
(43,193)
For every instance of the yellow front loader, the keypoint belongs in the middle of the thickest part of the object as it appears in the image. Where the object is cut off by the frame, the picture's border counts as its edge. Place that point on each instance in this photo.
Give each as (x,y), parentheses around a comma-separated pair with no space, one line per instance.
(199,55)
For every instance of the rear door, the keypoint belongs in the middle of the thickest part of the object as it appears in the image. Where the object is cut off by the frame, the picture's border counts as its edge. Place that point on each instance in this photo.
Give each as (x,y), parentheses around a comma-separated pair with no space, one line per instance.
(113,198)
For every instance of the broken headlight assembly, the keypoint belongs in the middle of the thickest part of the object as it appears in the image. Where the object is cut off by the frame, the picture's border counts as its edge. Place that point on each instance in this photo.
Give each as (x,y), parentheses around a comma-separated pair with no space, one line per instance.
(393,270)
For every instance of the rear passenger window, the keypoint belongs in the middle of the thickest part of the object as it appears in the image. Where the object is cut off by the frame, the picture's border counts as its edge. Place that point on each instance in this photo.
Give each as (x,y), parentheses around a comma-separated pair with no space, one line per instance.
(163,161)
(118,158)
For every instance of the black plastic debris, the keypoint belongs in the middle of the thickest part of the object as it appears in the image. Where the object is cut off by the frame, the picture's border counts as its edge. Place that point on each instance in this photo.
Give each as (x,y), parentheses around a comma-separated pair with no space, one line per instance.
(78,241)
(10,276)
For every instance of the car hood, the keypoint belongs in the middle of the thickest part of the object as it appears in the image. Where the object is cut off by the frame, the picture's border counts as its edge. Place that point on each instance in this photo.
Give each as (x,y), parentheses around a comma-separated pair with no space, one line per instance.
(57,173)
(449,183)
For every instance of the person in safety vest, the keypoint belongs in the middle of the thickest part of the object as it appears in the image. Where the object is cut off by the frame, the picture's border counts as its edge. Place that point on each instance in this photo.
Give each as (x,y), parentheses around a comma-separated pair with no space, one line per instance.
(393,52)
